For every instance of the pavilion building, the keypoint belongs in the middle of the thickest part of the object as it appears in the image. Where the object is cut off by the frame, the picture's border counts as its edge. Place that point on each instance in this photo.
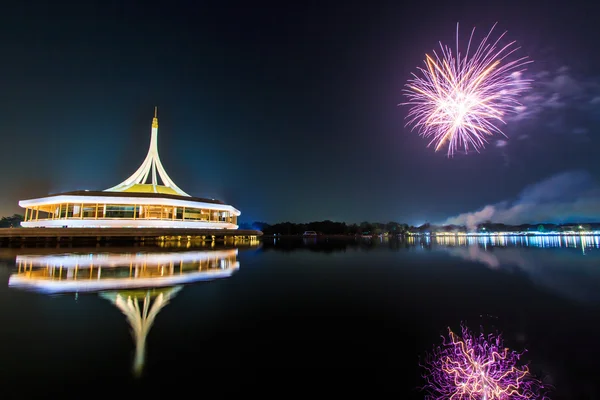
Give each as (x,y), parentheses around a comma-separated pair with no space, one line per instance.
(137,202)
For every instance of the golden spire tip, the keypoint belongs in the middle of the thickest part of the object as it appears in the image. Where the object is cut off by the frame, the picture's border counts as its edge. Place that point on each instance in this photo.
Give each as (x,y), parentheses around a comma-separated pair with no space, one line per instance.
(155,119)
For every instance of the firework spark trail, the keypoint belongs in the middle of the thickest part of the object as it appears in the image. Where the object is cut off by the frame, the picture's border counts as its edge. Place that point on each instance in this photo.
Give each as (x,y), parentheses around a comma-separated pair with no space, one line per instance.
(461,99)
(478,368)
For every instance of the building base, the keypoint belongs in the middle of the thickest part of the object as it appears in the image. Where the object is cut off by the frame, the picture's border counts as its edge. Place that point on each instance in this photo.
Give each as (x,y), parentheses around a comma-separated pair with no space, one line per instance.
(12,235)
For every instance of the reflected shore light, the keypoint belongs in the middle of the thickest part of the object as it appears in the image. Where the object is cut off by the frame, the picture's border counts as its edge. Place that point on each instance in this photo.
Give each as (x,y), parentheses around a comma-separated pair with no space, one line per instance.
(582,242)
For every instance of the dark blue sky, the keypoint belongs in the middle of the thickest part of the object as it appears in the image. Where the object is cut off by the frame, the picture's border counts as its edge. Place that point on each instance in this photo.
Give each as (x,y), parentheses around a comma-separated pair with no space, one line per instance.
(286,111)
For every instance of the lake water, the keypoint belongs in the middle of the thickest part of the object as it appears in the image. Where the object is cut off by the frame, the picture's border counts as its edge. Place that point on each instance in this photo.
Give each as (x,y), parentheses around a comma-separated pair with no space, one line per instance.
(292,317)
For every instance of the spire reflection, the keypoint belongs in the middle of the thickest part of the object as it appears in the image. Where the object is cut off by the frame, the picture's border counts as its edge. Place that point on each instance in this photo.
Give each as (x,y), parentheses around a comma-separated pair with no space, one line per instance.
(141,317)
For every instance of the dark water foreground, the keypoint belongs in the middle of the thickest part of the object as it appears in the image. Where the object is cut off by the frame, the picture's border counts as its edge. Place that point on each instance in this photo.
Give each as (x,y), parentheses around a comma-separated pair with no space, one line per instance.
(283,319)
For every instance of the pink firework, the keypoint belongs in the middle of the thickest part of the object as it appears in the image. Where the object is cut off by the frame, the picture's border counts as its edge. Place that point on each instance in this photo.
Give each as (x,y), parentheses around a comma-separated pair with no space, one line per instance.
(460,100)
(478,368)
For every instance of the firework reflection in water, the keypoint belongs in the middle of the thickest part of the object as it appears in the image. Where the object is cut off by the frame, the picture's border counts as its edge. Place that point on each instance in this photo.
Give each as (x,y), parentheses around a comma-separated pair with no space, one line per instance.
(478,368)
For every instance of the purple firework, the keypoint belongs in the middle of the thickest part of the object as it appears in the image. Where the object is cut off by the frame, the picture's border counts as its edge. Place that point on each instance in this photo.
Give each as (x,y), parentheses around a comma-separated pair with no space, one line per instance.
(477,368)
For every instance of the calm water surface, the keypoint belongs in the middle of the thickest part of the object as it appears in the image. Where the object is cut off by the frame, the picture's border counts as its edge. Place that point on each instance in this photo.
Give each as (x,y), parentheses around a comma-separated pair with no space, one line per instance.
(292,317)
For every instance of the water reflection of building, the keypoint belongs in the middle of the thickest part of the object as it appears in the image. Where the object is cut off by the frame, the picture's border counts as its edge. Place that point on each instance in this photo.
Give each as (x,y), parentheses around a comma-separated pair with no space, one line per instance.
(147,199)
(140,285)
(108,271)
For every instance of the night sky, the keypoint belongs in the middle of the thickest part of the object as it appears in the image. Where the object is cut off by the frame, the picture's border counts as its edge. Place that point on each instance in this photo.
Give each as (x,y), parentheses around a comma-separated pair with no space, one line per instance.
(290,111)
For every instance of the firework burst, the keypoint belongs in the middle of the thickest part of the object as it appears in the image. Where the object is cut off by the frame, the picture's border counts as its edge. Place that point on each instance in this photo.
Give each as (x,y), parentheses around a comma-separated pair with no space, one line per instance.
(478,368)
(461,99)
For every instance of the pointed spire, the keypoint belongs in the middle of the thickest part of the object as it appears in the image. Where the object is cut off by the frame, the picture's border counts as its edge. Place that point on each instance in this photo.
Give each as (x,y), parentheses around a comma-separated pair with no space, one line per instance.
(151,166)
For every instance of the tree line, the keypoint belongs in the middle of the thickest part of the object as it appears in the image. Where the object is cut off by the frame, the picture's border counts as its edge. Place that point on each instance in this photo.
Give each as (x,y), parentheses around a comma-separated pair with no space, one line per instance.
(328,228)
(13,221)
(394,228)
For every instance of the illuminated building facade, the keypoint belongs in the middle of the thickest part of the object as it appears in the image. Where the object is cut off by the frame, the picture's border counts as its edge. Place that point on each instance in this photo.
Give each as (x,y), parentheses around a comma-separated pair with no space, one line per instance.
(134,203)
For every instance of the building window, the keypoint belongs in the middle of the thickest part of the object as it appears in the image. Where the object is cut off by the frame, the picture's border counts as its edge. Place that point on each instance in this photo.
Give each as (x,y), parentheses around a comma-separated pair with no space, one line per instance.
(116,211)
(89,211)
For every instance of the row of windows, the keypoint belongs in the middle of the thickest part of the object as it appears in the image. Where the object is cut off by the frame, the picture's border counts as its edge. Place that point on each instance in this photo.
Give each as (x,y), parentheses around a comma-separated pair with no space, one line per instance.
(120,211)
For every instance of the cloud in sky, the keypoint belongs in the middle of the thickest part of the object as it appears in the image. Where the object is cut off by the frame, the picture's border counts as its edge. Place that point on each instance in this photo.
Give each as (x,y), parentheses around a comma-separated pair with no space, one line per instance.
(571,196)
